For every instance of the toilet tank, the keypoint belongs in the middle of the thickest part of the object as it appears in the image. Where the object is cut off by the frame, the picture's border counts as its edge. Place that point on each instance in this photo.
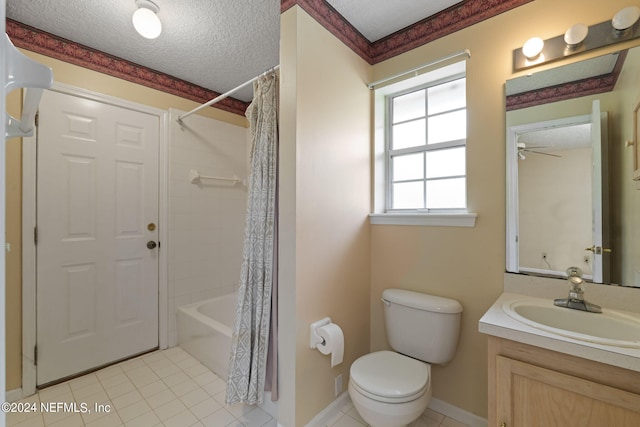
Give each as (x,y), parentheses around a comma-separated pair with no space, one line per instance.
(425,327)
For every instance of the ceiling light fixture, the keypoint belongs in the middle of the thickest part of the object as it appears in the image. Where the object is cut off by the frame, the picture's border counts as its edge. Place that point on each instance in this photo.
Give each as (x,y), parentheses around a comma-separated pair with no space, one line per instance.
(145,19)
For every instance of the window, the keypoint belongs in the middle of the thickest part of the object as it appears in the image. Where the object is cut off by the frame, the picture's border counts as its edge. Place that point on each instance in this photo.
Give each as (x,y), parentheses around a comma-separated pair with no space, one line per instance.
(426,131)
(420,150)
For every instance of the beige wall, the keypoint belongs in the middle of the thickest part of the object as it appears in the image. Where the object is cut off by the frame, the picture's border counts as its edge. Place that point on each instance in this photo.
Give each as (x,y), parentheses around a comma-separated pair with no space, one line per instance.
(325,127)
(468,264)
(86,79)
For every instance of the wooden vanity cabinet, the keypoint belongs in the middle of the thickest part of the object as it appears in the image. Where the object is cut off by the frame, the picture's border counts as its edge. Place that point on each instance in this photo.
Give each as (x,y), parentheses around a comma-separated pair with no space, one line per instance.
(535,387)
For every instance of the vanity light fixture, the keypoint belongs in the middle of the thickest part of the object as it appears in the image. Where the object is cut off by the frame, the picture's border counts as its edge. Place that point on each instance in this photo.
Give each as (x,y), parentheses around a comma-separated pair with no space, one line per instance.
(575,35)
(626,18)
(579,38)
(145,19)
(532,47)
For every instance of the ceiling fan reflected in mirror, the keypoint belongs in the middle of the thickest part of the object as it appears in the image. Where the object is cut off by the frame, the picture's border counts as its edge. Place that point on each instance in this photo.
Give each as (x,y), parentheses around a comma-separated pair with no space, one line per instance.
(522,150)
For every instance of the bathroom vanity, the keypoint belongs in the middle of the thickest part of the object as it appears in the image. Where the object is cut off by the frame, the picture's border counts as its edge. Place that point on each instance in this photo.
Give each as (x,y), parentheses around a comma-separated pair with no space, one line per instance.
(538,377)
(532,386)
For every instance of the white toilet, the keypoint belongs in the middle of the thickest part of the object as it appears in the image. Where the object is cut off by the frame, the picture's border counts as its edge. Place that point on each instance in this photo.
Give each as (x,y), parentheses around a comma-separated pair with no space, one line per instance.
(391,389)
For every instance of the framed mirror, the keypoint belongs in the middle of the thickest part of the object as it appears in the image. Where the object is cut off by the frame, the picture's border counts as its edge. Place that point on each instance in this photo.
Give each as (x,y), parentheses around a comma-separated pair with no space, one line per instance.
(571,195)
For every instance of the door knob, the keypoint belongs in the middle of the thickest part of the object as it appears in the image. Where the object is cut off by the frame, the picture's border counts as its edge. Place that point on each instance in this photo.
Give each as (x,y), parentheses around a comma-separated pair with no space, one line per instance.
(151,244)
(598,250)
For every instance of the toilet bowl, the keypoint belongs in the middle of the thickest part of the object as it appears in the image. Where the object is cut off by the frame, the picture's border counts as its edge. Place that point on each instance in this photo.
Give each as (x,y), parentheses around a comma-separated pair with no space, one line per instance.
(389,389)
(393,388)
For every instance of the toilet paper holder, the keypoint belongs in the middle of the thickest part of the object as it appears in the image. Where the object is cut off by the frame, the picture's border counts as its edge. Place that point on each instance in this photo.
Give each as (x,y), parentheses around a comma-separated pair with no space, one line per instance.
(315,339)
(328,338)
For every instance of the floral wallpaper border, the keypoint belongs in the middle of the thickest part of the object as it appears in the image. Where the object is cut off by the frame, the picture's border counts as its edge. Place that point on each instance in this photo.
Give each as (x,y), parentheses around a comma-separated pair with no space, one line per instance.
(38,41)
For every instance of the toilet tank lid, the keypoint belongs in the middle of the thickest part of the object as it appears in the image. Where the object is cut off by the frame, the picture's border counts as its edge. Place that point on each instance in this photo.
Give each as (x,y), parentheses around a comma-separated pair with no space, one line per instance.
(421,301)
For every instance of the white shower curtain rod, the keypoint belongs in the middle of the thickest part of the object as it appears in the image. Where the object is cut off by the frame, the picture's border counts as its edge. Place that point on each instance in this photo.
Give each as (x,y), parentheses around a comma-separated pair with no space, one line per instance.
(225,95)
(465,52)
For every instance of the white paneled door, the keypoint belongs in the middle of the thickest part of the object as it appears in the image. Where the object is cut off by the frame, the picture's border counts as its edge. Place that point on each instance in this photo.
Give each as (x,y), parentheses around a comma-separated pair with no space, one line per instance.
(97,211)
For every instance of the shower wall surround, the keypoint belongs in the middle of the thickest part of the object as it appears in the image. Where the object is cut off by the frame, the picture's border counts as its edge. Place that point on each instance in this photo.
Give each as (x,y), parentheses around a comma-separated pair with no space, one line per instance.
(206,219)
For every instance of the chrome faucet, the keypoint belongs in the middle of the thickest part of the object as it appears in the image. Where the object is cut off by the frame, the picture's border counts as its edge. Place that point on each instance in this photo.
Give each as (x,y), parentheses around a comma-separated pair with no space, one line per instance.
(576,294)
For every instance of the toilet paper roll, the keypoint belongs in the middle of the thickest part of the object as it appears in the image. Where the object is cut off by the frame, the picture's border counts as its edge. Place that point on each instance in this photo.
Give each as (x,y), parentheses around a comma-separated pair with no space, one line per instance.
(333,342)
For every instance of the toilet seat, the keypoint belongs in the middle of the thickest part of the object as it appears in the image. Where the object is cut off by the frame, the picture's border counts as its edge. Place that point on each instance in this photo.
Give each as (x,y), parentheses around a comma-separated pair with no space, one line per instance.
(389,377)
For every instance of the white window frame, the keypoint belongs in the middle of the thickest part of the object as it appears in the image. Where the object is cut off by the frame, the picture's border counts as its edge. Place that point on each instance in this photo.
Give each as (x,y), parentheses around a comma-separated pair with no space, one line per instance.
(382,158)
(390,152)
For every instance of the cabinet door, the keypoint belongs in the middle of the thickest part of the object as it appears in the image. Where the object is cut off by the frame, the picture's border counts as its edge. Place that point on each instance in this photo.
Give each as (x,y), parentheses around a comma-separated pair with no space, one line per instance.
(531,396)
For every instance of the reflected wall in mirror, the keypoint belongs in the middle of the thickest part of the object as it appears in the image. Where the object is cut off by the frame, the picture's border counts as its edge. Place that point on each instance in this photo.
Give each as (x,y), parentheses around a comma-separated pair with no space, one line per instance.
(571,197)
(556,162)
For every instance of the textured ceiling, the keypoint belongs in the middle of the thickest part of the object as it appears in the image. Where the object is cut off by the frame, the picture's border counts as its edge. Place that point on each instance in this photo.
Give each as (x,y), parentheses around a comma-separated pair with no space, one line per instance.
(216,44)
(378,19)
(558,138)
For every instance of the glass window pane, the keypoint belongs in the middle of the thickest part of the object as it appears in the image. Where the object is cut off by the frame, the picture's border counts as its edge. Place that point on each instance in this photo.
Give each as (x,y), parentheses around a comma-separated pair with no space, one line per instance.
(408,195)
(447,96)
(409,134)
(410,166)
(446,194)
(448,162)
(409,106)
(448,127)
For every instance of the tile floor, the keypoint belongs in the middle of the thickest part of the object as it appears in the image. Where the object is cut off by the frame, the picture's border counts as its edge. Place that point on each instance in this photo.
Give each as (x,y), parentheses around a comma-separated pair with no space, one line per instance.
(349,417)
(164,388)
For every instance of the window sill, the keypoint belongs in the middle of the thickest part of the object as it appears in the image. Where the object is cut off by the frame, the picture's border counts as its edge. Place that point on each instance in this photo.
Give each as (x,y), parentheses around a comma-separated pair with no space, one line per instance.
(429,219)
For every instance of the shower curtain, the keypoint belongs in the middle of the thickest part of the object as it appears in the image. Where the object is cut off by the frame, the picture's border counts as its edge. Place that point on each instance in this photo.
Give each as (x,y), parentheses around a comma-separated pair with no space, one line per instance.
(255,331)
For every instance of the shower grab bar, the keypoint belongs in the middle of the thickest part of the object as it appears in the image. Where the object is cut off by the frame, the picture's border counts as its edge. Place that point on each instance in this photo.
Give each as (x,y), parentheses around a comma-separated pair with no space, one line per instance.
(195,177)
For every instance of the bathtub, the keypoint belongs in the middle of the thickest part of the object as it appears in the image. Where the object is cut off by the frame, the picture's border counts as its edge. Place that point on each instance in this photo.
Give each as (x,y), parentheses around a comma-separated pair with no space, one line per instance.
(204,331)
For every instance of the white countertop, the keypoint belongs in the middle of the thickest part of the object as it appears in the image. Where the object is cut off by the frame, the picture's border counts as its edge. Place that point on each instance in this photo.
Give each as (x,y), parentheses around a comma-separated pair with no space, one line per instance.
(497,323)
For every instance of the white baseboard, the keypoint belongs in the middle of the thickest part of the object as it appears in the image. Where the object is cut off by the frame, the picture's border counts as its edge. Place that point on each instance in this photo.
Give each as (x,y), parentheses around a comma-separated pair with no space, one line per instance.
(330,411)
(458,414)
(447,409)
(13,395)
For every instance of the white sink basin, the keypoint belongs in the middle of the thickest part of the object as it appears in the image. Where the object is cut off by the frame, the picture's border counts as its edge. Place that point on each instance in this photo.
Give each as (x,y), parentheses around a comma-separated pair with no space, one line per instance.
(610,327)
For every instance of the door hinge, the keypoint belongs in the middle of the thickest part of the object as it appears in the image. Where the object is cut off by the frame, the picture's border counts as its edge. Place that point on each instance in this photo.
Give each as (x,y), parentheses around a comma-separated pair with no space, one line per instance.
(35,355)
(35,235)
(37,119)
